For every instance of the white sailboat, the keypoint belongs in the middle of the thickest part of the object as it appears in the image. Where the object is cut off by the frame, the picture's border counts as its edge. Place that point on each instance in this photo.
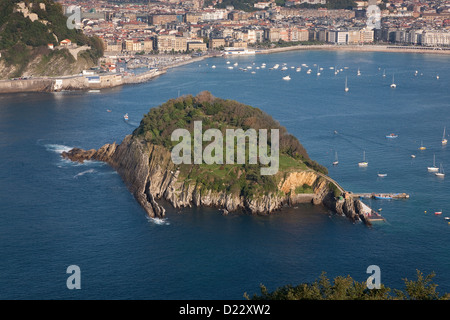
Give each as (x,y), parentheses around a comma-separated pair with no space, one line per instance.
(441,173)
(358,73)
(346,87)
(433,168)
(444,140)
(393,85)
(384,73)
(336,161)
(287,77)
(318,71)
(363,163)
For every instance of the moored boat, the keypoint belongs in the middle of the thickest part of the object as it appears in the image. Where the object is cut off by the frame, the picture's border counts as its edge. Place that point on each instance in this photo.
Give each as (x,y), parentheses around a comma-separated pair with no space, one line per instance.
(433,168)
(363,163)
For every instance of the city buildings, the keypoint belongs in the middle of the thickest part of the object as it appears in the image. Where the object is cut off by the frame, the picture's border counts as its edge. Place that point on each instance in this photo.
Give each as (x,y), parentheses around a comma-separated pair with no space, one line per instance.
(188,26)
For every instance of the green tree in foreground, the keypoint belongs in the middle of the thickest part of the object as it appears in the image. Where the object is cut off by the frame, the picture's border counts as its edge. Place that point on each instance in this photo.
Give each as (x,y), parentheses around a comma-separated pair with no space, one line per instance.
(345,288)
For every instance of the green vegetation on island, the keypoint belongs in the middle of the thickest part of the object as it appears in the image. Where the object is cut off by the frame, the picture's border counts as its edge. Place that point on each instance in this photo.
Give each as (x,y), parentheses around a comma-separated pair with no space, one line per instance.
(24,40)
(245,179)
(346,288)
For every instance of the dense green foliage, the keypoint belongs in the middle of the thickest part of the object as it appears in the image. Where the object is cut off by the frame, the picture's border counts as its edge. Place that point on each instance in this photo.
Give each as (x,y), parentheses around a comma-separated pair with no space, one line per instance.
(159,123)
(245,179)
(19,35)
(345,288)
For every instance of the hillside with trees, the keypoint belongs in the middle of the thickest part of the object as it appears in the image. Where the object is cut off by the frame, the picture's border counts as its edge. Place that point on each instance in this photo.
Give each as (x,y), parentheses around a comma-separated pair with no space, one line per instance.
(157,126)
(24,40)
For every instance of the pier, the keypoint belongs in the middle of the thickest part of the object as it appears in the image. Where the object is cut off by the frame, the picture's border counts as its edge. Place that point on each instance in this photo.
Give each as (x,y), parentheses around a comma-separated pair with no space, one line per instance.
(381,196)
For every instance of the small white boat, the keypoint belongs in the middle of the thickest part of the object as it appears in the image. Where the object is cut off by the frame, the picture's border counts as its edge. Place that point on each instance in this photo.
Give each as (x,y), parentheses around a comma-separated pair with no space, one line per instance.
(384,73)
(346,87)
(437,77)
(236,64)
(382,175)
(318,71)
(363,163)
(298,69)
(213,67)
(309,71)
(433,168)
(231,68)
(413,156)
(228,62)
(125,116)
(441,173)
(336,161)
(287,78)
(393,85)
(284,68)
(358,73)
(444,140)
(392,136)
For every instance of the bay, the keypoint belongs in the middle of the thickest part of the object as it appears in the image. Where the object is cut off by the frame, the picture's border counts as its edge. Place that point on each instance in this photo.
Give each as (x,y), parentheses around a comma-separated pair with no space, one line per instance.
(55,213)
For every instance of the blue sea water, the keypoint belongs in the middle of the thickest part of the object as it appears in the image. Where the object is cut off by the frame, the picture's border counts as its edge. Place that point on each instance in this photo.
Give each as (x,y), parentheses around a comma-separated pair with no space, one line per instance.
(54,213)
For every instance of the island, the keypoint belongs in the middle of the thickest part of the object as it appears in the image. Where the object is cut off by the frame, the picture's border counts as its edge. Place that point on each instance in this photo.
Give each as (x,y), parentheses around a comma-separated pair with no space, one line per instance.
(145,161)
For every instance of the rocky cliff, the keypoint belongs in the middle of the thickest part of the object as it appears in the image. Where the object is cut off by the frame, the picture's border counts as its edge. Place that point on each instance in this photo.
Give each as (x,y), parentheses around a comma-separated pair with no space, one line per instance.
(150,175)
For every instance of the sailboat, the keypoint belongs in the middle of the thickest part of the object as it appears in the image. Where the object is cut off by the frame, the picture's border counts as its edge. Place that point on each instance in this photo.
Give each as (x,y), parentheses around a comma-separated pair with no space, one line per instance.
(444,140)
(346,87)
(359,72)
(364,162)
(384,73)
(393,85)
(318,71)
(441,173)
(336,161)
(421,146)
(433,168)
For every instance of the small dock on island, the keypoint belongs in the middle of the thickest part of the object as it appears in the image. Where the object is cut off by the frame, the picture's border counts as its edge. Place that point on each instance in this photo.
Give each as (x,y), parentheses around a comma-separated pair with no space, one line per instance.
(381,196)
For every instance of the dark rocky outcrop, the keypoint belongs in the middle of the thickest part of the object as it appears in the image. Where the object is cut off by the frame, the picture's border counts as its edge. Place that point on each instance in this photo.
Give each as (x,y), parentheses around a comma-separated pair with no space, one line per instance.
(150,174)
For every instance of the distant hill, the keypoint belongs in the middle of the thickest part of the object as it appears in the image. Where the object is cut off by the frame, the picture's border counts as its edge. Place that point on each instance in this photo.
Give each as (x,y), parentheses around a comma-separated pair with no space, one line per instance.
(27,27)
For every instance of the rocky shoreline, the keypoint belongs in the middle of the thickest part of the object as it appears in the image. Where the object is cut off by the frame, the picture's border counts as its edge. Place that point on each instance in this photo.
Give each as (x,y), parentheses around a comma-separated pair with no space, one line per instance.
(150,175)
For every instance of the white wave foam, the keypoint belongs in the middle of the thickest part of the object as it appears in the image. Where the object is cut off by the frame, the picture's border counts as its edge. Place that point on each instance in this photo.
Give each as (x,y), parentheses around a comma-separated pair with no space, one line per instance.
(159,221)
(58,148)
(83,173)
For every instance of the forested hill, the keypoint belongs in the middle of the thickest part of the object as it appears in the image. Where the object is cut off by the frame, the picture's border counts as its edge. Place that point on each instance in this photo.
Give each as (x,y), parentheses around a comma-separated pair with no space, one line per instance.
(24,39)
